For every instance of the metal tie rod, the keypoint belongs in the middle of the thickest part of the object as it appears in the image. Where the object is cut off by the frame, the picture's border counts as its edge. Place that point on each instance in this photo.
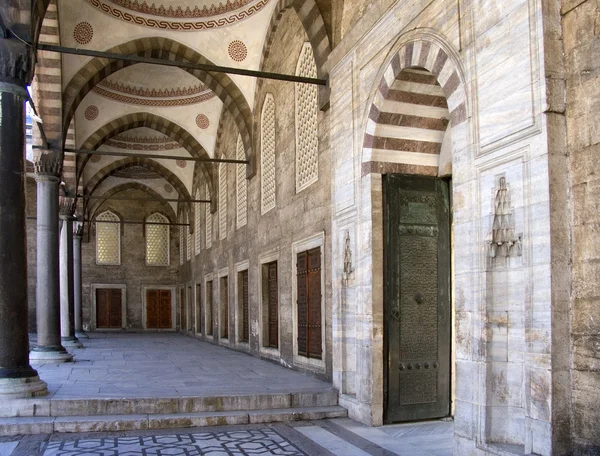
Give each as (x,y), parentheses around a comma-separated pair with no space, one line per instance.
(180,64)
(123,198)
(155,156)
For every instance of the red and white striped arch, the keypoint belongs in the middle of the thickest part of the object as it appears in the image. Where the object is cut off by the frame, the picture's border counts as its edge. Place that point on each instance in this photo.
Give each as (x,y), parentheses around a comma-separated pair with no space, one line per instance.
(420,97)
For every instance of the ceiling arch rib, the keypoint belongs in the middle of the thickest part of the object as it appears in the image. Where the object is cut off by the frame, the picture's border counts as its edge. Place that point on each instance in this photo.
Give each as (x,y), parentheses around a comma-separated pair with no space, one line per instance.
(95,205)
(147,163)
(148,120)
(97,69)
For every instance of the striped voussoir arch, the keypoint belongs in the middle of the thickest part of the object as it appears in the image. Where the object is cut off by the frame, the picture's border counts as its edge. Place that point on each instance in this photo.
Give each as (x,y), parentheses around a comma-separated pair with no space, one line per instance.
(128,162)
(38,13)
(314,26)
(148,120)
(95,205)
(419,98)
(221,84)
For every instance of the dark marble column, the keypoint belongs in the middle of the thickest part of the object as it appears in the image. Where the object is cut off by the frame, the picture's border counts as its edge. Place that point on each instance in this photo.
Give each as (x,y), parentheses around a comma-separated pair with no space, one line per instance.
(67,292)
(17,378)
(77,237)
(48,167)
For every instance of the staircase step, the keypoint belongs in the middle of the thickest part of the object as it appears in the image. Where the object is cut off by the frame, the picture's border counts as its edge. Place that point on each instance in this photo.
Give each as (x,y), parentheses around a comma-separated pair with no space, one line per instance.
(111,423)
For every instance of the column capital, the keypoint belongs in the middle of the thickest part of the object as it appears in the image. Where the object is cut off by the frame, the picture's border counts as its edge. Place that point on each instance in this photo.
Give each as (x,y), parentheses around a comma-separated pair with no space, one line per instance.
(66,207)
(16,66)
(48,165)
(78,230)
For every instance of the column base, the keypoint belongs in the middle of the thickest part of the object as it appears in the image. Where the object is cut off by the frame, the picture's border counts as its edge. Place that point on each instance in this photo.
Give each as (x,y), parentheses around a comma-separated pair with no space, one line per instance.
(71,342)
(49,355)
(81,335)
(20,388)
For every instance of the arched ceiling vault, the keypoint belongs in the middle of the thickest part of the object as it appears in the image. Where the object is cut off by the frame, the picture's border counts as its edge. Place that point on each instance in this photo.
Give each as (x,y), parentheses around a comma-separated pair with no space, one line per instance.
(97,69)
(148,120)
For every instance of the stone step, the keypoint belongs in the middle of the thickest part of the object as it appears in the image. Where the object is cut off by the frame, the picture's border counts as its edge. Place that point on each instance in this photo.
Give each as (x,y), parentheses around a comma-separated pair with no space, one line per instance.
(111,423)
(40,407)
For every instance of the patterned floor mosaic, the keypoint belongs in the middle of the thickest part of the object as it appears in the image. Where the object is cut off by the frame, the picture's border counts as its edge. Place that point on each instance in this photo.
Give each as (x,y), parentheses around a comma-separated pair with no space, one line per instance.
(234,443)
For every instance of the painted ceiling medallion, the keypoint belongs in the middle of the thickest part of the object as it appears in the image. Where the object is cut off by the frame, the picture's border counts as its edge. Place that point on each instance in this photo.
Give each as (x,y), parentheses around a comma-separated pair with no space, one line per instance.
(181,163)
(202,121)
(162,19)
(83,33)
(168,188)
(91,113)
(95,158)
(237,51)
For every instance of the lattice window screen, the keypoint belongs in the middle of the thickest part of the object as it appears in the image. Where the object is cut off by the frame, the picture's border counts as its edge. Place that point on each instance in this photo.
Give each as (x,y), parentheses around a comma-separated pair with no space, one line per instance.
(222,200)
(157,241)
(181,240)
(208,220)
(307,110)
(267,155)
(108,239)
(197,221)
(189,238)
(242,186)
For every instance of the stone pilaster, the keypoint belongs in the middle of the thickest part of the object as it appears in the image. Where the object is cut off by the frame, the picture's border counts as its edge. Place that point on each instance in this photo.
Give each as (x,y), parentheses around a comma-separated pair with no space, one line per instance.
(17,378)
(77,237)
(48,167)
(67,295)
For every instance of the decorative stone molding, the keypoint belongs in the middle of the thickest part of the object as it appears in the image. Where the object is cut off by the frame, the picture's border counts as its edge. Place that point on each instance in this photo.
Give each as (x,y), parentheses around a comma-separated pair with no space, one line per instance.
(66,207)
(348,267)
(502,240)
(16,66)
(48,164)
(78,229)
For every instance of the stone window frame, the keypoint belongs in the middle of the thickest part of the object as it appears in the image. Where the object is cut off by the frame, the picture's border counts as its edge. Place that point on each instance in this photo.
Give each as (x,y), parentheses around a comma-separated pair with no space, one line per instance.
(209,278)
(173,290)
(264,258)
(112,286)
(164,219)
(241,267)
(307,50)
(118,263)
(309,243)
(221,274)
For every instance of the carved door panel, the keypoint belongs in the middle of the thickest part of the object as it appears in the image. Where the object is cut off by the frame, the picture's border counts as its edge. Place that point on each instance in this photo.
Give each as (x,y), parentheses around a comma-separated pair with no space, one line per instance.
(152,309)
(309,303)
(165,310)
(182,316)
(417,297)
(245,305)
(273,306)
(108,308)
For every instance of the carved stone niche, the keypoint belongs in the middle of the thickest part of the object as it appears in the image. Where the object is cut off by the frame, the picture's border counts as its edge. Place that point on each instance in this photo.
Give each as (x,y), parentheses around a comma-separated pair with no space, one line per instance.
(348,268)
(502,241)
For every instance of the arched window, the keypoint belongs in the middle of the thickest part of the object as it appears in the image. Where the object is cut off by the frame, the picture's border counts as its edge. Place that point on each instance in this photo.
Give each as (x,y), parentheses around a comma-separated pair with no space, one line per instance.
(241,187)
(189,237)
(208,220)
(268,193)
(108,239)
(197,221)
(181,239)
(222,200)
(307,111)
(157,241)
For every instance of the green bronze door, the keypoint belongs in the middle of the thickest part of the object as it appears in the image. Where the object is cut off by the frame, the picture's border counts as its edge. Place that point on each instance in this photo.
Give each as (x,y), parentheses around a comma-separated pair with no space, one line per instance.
(417,297)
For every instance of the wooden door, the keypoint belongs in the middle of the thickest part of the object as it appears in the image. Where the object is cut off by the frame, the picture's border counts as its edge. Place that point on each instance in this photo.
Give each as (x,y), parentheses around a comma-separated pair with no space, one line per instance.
(309,303)
(417,297)
(273,306)
(108,308)
(224,299)
(182,316)
(244,306)
(158,309)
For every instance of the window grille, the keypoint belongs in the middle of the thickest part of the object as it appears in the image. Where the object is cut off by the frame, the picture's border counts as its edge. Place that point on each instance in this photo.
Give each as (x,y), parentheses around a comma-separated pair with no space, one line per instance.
(108,239)
(222,200)
(267,156)
(157,241)
(197,221)
(208,220)
(242,187)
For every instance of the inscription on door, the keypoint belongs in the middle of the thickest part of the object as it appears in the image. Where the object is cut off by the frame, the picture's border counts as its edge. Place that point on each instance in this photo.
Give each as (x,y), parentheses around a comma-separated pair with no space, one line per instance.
(417,298)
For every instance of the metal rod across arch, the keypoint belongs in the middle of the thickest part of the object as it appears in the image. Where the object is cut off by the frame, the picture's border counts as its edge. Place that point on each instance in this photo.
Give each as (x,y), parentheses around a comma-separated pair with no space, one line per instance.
(156,156)
(180,64)
(123,198)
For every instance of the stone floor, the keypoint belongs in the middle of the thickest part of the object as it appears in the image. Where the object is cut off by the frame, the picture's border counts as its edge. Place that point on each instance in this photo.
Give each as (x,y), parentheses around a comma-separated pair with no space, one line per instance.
(340,437)
(166,365)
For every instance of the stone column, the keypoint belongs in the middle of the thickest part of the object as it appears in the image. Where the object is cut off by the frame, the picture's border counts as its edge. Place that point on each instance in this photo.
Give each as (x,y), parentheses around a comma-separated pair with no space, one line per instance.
(77,236)
(67,294)
(17,378)
(48,167)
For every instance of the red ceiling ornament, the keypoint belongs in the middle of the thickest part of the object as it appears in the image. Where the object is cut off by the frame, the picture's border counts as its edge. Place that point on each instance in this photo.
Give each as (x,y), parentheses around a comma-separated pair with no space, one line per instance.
(83,32)
(168,188)
(181,163)
(95,158)
(202,121)
(92,112)
(237,51)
